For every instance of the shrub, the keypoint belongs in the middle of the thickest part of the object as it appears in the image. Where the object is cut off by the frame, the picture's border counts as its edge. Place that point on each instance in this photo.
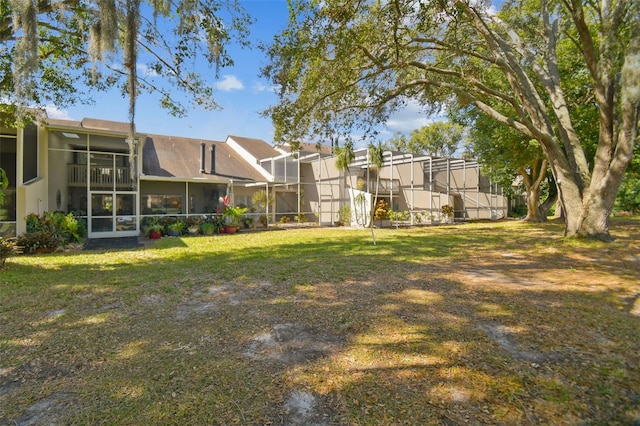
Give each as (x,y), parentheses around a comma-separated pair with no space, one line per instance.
(628,199)
(399,216)
(41,240)
(8,248)
(447,211)
(65,227)
(382,210)
(344,215)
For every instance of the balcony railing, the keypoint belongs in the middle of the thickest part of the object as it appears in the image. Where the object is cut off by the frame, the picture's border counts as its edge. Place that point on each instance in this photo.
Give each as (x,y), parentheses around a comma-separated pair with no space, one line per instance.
(386,185)
(99,176)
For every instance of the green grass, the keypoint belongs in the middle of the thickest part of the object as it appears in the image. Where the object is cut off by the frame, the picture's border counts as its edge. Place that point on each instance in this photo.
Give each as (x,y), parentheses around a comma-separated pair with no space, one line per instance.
(497,322)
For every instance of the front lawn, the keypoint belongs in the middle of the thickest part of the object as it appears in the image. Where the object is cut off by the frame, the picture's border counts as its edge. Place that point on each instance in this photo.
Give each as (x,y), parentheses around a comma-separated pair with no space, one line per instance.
(481,323)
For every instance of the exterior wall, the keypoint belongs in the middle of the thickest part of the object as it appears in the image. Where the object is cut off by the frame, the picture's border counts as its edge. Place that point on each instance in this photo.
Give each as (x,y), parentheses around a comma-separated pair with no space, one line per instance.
(30,197)
(325,189)
(405,187)
(329,194)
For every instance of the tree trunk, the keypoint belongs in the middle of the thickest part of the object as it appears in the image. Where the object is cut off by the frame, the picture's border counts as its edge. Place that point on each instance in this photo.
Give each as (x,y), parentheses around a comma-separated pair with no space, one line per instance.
(532,182)
(534,213)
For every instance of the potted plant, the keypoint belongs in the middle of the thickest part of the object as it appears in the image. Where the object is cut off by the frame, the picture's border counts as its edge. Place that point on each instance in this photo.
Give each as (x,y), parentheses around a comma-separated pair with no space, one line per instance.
(193,224)
(175,229)
(447,213)
(153,229)
(233,215)
(208,228)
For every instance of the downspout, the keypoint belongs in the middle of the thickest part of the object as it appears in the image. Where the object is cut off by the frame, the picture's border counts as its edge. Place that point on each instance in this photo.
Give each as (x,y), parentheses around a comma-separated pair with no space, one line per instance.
(431,186)
(448,179)
(266,207)
(464,189)
(478,193)
(391,179)
(299,198)
(319,190)
(411,198)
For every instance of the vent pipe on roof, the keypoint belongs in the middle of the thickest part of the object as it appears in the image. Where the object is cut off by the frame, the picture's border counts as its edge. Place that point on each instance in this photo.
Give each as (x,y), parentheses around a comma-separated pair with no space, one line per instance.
(202,151)
(213,159)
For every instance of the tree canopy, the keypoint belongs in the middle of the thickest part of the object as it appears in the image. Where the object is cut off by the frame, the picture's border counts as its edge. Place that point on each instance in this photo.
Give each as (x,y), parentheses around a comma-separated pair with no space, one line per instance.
(52,49)
(345,66)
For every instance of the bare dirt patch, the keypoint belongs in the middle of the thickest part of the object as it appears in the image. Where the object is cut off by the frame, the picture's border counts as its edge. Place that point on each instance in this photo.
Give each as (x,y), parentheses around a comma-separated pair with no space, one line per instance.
(291,343)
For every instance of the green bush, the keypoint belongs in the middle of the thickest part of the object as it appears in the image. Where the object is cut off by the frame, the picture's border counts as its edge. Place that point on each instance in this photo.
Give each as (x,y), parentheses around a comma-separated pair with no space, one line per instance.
(39,240)
(628,199)
(8,248)
(65,227)
(344,215)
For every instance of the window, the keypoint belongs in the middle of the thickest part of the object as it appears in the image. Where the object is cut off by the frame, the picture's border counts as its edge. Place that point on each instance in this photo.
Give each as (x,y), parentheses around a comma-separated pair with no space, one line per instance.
(30,155)
(161,204)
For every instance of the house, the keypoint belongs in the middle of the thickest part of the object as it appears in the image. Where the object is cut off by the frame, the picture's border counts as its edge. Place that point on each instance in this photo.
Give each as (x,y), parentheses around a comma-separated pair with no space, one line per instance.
(89,167)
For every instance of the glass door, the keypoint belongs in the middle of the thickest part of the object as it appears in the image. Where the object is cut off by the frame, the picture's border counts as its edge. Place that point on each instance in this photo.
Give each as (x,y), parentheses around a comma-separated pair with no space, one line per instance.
(112,211)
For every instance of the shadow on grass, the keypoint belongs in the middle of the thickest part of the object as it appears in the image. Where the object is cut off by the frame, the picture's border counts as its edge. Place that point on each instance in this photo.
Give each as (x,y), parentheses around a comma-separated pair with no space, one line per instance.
(429,326)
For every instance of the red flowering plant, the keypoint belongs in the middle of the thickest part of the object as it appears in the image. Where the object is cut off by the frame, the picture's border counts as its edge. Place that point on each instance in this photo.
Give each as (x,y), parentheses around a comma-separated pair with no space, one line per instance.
(234,214)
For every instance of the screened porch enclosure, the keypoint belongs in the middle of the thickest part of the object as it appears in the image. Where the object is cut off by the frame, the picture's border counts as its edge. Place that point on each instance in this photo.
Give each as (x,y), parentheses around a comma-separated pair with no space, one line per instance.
(97,185)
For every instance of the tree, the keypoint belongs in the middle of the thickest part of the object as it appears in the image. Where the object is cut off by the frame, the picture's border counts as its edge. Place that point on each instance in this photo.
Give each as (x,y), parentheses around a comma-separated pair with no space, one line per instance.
(344,158)
(350,64)
(439,139)
(505,154)
(50,47)
(398,142)
(376,159)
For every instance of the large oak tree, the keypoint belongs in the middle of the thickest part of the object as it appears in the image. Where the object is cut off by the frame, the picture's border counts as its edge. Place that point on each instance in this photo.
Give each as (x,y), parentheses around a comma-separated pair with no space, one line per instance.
(345,65)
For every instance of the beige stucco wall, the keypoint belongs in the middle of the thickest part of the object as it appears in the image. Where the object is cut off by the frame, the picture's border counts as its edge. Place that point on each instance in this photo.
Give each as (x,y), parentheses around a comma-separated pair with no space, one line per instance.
(324,190)
(408,194)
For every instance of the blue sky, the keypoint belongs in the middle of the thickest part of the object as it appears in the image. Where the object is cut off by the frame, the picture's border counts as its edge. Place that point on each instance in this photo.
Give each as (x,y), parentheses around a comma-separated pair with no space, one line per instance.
(239,91)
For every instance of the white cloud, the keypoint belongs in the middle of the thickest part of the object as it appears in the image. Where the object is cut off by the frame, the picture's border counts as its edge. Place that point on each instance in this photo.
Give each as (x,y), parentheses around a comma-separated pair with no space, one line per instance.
(261,87)
(146,71)
(229,83)
(410,118)
(57,113)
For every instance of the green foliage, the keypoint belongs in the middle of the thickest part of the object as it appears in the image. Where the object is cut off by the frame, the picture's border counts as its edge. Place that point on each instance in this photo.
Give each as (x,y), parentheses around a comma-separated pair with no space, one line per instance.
(447,211)
(4,184)
(381,211)
(399,216)
(151,224)
(208,228)
(439,139)
(628,199)
(344,215)
(234,214)
(248,222)
(8,247)
(259,200)
(344,68)
(51,49)
(194,220)
(177,226)
(40,240)
(65,228)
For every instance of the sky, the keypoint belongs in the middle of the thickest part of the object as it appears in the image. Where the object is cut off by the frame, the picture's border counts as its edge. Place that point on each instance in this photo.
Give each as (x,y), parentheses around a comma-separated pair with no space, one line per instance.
(240,91)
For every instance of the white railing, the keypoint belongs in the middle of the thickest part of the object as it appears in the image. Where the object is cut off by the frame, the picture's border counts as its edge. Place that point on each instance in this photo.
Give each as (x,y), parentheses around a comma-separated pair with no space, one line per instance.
(99,176)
